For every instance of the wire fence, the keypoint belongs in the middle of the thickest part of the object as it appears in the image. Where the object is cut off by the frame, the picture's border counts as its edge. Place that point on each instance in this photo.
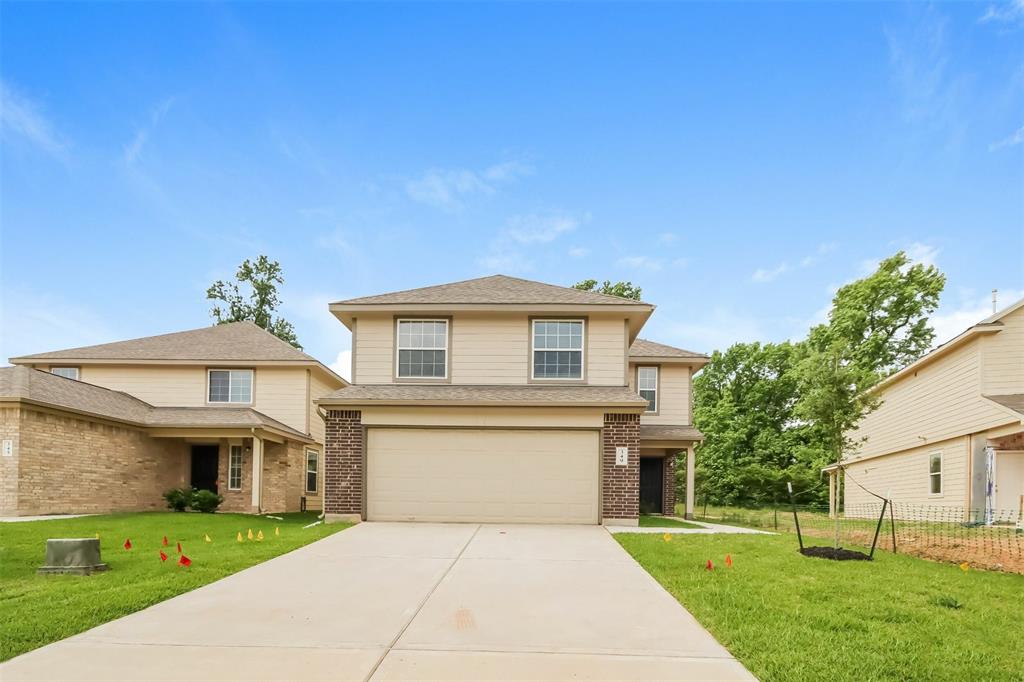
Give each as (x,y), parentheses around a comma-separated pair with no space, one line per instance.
(994,541)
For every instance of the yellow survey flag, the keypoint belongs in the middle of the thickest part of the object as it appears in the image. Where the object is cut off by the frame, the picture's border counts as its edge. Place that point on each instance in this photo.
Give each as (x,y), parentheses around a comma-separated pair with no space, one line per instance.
(964,566)
(240,536)
(667,537)
(207,538)
(250,533)
(97,536)
(260,536)
(277,531)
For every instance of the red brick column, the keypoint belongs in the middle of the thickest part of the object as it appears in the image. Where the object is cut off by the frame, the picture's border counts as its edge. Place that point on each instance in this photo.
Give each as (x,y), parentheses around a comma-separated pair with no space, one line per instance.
(343,465)
(621,484)
(668,494)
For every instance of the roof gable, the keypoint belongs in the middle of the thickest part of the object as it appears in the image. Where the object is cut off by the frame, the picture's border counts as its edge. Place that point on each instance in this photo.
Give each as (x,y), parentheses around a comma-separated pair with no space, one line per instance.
(642,348)
(492,290)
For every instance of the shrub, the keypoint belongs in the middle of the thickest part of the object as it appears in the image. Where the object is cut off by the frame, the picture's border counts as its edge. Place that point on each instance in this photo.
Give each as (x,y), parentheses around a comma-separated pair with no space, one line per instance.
(205,501)
(178,498)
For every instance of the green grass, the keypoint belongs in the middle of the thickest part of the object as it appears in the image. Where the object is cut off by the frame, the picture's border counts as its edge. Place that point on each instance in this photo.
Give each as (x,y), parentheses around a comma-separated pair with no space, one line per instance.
(662,522)
(790,617)
(39,609)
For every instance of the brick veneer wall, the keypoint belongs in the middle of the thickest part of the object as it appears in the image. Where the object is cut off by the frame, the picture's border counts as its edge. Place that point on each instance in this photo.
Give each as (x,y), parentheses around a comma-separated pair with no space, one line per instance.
(343,462)
(621,484)
(65,463)
(235,500)
(668,499)
(10,418)
(284,468)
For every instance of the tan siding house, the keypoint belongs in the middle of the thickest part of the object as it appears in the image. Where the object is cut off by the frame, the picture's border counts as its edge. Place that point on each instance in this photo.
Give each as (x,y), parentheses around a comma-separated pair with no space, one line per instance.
(229,407)
(949,430)
(505,400)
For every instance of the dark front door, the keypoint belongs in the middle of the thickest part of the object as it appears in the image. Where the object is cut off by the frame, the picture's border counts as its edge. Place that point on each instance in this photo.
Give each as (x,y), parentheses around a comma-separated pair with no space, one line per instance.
(652,471)
(204,467)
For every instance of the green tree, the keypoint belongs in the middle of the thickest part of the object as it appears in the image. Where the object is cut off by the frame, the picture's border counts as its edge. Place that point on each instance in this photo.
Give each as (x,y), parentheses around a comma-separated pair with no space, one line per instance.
(259,304)
(744,402)
(620,289)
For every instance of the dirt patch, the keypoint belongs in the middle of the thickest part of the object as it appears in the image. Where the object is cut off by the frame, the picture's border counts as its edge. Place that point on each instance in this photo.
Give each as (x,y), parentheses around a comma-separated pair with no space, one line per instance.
(835,554)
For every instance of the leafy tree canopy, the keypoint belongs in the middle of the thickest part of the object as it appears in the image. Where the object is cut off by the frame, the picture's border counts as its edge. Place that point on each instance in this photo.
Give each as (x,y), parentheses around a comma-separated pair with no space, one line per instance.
(620,289)
(259,301)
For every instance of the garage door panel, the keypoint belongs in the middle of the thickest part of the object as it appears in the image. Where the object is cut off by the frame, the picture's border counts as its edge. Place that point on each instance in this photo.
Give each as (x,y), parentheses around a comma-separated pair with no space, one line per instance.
(482,475)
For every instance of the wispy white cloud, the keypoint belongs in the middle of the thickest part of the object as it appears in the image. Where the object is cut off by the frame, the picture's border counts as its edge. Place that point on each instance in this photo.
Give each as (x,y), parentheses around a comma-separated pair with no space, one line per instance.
(509,250)
(579,252)
(716,329)
(823,249)
(641,263)
(35,321)
(447,188)
(763,275)
(952,319)
(22,117)
(343,365)
(133,150)
(1012,141)
(1011,12)
(919,252)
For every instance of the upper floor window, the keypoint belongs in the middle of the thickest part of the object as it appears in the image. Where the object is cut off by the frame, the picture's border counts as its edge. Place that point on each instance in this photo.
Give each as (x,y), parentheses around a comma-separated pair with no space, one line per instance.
(935,473)
(647,386)
(230,386)
(558,349)
(423,349)
(66,372)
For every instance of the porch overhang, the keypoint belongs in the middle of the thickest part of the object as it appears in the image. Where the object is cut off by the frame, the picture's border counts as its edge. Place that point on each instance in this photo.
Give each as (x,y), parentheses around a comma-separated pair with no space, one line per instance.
(670,437)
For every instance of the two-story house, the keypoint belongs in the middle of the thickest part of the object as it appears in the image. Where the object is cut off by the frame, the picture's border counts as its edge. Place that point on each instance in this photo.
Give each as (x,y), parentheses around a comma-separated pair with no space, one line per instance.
(950,428)
(228,408)
(505,400)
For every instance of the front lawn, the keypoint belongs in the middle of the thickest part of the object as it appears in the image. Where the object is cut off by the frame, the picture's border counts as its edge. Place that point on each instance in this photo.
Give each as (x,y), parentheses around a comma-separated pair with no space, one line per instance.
(663,522)
(39,609)
(790,617)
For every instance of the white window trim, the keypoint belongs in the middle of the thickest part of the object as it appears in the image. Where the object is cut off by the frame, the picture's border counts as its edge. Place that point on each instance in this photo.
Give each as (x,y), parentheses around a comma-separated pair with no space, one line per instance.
(252,386)
(657,382)
(582,349)
(399,347)
(241,464)
(78,371)
(305,483)
(941,473)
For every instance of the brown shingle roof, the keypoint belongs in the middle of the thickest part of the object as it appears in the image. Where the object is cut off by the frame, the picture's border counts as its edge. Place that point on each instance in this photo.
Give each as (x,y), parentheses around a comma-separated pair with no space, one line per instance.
(23,383)
(642,348)
(233,342)
(669,432)
(496,290)
(447,394)
(1013,401)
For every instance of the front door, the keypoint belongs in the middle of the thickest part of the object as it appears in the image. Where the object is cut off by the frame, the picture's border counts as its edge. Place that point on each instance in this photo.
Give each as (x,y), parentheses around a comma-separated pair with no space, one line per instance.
(204,467)
(652,472)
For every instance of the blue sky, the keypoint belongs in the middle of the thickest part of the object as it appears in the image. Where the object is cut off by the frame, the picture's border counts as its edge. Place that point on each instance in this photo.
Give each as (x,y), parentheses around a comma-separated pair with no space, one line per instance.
(738,161)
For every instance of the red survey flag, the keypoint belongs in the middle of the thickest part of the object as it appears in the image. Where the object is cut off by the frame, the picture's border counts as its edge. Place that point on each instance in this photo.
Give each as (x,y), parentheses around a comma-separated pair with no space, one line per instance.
(179,548)
(184,561)
(728,560)
(710,566)
(127,543)
(163,556)
(165,541)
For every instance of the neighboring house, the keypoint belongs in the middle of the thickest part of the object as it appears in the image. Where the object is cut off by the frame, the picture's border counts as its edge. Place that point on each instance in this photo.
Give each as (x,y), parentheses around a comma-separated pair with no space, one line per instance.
(228,408)
(505,400)
(949,430)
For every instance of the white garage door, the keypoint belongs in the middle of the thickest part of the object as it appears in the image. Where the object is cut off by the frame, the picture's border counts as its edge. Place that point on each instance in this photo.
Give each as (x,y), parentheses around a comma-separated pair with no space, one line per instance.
(484,475)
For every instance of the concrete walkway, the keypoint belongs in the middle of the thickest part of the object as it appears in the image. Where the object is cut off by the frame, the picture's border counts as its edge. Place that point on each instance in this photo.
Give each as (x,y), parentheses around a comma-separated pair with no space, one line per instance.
(46,517)
(385,601)
(705,529)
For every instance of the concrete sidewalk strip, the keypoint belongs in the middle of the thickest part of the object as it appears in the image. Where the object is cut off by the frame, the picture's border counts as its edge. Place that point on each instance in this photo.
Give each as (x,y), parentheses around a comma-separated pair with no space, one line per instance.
(705,529)
(391,601)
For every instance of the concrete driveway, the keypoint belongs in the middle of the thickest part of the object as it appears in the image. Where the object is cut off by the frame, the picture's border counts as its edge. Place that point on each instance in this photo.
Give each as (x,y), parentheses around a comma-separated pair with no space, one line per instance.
(389,601)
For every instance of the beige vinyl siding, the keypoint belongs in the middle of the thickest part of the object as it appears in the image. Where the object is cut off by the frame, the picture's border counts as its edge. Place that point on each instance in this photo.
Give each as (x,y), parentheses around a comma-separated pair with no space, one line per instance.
(375,348)
(1002,357)
(490,348)
(674,386)
(904,475)
(318,388)
(515,417)
(281,393)
(943,400)
(164,386)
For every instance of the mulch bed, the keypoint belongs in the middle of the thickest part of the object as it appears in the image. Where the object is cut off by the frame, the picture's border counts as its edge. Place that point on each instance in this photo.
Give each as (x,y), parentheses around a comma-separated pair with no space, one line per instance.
(835,554)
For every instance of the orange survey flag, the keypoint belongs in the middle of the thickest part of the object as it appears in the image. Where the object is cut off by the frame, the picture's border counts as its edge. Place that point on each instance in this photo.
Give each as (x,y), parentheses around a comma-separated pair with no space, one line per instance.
(165,541)
(710,566)
(184,561)
(127,543)
(163,556)
(728,560)
(179,548)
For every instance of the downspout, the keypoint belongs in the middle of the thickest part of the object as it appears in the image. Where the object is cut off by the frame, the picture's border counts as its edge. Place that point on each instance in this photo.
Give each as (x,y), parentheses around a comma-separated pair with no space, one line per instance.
(259,491)
(323,493)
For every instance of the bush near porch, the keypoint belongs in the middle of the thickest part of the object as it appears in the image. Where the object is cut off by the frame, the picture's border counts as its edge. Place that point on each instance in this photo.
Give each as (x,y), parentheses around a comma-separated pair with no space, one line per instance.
(790,617)
(39,609)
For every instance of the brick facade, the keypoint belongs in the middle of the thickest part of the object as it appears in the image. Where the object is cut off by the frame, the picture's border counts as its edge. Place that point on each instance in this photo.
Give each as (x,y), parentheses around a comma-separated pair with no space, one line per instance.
(343,463)
(620,485)
(63,464)
(668,493)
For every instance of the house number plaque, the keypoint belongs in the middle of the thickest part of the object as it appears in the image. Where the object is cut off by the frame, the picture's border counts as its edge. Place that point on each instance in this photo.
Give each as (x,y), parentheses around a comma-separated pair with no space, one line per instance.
(621,456)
